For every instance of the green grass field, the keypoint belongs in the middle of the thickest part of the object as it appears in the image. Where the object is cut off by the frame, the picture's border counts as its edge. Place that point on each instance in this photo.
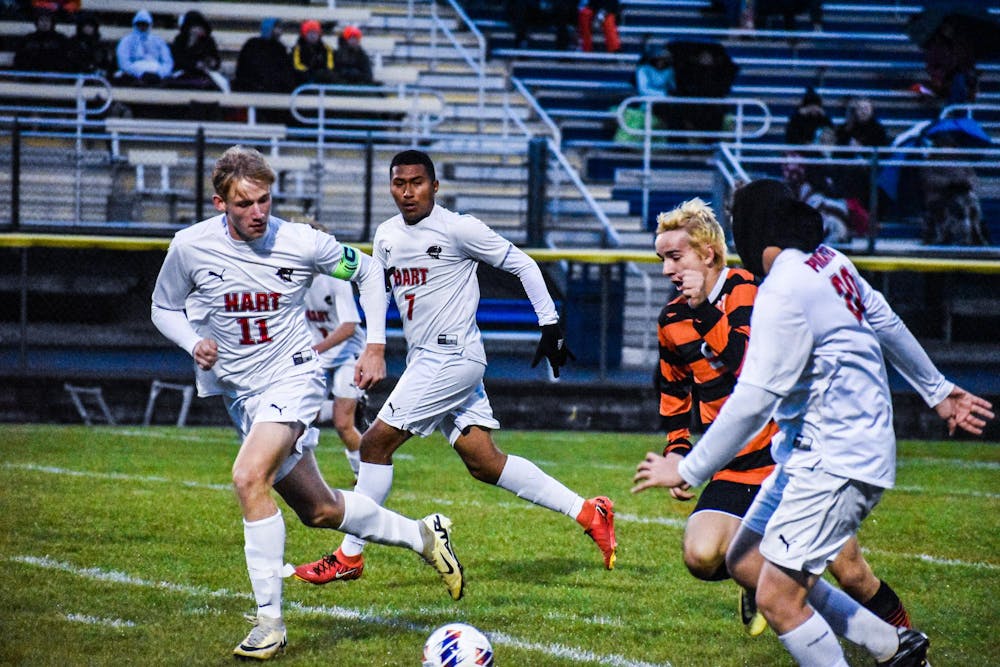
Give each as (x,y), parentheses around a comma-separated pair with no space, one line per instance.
(124,546)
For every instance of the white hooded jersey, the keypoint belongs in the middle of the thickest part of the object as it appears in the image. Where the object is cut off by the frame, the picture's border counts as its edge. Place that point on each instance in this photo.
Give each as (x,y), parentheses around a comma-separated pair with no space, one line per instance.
(431,270)
(330,303)
(249,296)
(818,331)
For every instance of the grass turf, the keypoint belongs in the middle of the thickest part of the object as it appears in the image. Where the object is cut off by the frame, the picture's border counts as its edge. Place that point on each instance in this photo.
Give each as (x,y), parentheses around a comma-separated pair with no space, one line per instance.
(123,545)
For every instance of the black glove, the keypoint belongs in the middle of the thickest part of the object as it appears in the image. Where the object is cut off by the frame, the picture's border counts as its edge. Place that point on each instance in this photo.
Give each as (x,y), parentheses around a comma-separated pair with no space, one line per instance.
(553,347)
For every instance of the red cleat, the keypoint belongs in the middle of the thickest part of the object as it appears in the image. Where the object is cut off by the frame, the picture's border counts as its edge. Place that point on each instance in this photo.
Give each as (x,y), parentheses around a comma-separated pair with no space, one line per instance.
(598,520)
(331,567)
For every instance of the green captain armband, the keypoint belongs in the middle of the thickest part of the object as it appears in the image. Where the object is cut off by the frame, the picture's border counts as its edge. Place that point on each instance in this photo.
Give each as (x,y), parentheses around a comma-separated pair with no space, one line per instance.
(348,264)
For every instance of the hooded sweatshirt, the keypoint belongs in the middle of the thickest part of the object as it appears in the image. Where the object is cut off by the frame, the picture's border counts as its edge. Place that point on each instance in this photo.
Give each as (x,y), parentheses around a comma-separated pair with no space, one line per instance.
(141,52)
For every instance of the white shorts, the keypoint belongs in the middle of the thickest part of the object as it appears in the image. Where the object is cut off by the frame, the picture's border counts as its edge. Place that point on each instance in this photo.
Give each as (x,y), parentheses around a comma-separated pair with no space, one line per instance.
(806,515)
(294,399)
(340,381)
(439,391)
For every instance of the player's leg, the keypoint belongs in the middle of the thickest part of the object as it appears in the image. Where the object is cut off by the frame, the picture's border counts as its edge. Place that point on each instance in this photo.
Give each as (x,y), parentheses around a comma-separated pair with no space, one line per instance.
(855,576)
(319,506)
(345,403)
(375,483)
(468,429)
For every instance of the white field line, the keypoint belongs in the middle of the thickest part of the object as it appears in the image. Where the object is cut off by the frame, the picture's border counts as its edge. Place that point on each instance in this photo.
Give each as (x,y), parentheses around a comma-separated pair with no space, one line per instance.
(102,622)
(619,516)
(342,613)
(934,560)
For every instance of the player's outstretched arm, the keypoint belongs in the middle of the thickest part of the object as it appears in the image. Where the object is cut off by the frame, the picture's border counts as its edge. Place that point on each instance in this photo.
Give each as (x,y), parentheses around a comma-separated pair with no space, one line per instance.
(964,410)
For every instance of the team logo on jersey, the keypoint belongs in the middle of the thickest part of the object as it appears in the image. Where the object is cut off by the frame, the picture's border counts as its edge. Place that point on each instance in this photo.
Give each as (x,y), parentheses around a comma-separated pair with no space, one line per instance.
(217,275)
(434,251)
(285,274)
(328,299)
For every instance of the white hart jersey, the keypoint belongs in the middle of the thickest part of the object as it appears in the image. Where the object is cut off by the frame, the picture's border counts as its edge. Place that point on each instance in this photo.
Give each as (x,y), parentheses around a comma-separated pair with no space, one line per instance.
(330,303)
(818,333)
(431,271)
(249,296)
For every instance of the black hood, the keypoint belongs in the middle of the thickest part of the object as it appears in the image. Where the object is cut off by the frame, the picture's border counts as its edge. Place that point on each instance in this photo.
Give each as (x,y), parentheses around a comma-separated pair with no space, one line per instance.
(765,213)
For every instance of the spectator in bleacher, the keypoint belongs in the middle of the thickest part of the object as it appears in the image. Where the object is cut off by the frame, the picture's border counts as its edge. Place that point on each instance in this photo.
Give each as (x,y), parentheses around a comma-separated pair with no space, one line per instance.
(311,57)
(43,50)
(264,64)
(353,66)
(950,61)
(807,120)
(654,77)
(143,58)
(89,54)
(788,9)
(604,12)
(557,14)
(834,210)
(861,127)
(196,55)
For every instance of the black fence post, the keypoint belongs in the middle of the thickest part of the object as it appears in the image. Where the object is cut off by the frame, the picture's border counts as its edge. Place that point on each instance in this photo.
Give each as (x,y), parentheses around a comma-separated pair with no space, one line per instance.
(15,175)
(199,175)
(369,160)
(538,160)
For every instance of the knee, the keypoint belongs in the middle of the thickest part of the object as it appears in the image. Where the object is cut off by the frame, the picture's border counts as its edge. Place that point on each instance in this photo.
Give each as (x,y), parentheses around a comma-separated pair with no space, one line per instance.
(247,480)
(705,562)
(483,470)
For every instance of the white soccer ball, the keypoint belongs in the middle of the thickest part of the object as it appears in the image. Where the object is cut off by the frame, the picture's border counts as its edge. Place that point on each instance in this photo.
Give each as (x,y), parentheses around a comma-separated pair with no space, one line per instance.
(457,645)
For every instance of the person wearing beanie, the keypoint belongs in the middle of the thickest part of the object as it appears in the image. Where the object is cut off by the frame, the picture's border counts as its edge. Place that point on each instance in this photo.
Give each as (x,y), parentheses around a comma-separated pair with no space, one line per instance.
(312,59)
(807,120)
(43,50)
(89,54)
(264,64)
(815,362)
(353,64)
(143,57)
(196,55)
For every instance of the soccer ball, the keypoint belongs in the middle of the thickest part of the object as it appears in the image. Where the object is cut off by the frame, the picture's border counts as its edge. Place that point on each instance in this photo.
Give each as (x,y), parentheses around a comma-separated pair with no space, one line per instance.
(457,645)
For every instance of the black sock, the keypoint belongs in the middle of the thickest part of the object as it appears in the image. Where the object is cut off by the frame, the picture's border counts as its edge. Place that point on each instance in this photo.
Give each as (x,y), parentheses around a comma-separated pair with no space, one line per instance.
(886,605)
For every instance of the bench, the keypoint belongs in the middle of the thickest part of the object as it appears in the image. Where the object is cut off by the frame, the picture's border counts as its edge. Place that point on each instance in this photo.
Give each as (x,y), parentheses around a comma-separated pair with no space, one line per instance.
(272,133)
(250,12)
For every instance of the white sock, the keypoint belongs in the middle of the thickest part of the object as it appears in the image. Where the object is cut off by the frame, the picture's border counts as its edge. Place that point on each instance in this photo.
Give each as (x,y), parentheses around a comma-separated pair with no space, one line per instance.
(366,519)
(853,622)
(813,644)
(375,482)
(526,480)
(353,460)
(264,546)
(325,413)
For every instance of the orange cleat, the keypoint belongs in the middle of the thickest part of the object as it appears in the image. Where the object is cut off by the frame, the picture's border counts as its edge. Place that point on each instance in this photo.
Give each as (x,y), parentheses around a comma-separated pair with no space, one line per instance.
(331,567)
(598,520)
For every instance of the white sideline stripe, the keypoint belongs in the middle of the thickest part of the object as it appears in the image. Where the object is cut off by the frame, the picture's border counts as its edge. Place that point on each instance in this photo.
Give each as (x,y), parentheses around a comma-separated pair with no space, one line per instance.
(934,560)
(955,463)
(105,622)
(115,476)
(948,492)
(344,613)
(173,436)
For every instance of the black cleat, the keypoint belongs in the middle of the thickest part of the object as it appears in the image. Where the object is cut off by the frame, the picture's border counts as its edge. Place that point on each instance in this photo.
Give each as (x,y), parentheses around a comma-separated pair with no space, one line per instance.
(912,651)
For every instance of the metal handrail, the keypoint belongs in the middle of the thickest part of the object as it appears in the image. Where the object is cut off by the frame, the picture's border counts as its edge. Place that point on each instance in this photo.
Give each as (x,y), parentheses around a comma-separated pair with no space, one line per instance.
(477,63)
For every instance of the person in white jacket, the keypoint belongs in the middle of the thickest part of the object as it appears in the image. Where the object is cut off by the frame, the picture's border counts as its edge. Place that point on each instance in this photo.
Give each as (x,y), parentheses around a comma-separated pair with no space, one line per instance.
(143,57)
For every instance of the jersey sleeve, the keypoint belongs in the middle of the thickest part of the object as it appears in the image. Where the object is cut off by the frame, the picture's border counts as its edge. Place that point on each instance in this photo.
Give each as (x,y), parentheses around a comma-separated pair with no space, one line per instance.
(781,344)
(675,382)
(343,295)
(173,285)
(479,241)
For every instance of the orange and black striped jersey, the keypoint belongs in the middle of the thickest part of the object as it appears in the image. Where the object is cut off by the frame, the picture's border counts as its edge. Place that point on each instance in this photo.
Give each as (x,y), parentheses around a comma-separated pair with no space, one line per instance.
(701,354)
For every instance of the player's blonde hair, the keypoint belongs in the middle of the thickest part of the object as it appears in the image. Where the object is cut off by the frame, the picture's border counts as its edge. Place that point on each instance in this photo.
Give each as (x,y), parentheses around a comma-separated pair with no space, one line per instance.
(240,163)
(696,218)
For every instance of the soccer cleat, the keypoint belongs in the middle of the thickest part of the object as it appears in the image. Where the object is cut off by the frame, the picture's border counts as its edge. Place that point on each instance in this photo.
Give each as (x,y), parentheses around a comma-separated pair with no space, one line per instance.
(753,621)
(912,651)
(331,567)
(601,527)
(438,552)
(265,641)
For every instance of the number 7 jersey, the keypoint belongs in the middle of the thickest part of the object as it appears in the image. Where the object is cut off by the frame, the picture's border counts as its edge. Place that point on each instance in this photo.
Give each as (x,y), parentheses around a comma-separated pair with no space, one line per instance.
(431,271)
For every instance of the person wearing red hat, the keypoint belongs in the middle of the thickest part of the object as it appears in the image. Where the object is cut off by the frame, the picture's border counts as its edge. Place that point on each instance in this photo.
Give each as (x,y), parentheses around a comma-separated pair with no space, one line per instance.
(311,57)
(353,64)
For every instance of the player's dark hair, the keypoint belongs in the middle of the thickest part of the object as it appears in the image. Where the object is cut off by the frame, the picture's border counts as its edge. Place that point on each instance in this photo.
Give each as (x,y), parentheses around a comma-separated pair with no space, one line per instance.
(766,213)
(413,157)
